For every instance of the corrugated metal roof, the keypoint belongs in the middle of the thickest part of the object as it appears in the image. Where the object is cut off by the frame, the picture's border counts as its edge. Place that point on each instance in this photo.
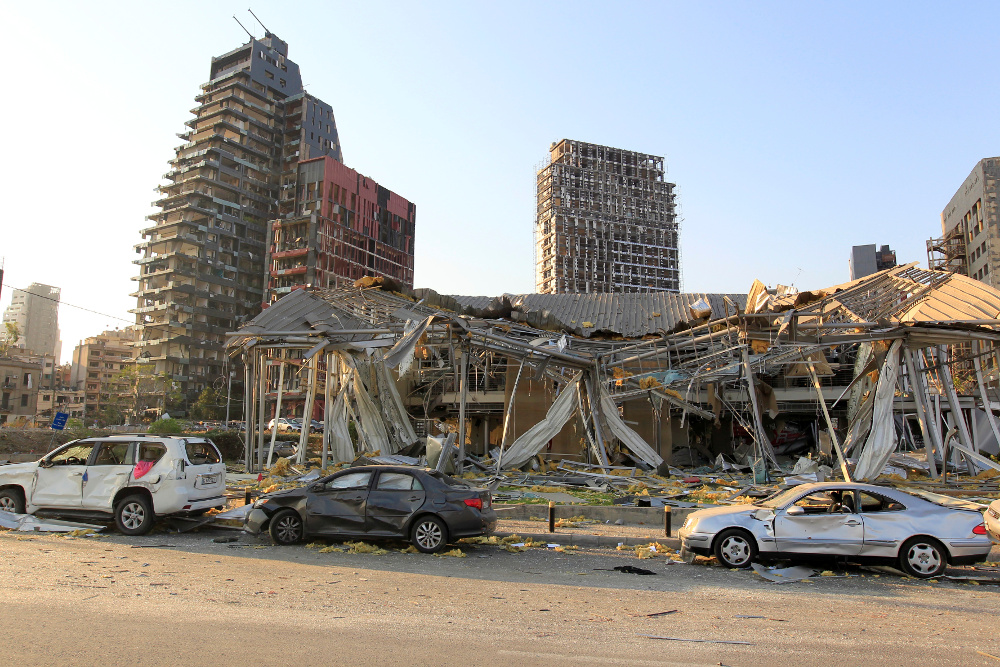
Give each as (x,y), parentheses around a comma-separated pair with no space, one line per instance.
(960,298)
(630,315)
(299,310)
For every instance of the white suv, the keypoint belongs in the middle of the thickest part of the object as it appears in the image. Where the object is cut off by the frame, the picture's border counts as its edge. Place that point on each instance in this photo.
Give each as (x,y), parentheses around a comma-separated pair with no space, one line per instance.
(135,478)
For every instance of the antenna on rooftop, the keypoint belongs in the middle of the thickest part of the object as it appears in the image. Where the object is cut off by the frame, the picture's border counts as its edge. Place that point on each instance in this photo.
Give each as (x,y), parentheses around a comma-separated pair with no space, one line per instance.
(258,21)
(242,26)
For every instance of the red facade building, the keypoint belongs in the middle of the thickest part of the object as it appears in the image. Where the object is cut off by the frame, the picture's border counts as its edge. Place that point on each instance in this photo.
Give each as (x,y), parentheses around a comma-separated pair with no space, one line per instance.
(337,226)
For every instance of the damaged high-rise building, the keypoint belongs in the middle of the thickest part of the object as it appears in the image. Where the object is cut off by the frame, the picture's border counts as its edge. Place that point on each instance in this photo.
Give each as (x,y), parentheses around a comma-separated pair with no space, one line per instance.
(202,264)
(970,227)
(605,222)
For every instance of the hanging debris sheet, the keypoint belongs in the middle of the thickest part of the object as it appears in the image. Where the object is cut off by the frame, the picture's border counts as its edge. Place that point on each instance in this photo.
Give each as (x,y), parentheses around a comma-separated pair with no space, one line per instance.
(902,363)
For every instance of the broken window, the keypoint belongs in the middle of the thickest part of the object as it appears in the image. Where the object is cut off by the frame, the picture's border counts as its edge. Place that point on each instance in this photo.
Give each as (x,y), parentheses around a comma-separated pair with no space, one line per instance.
(75,454)
(202,453)
(112,454)
(354,480)
(396,481)
(873,502)
(150,453)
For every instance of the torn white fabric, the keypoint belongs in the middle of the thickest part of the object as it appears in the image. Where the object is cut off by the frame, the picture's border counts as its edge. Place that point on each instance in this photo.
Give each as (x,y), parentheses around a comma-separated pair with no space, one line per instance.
(392,404)
(532,440)
(401,354)
(376,436)
(881,442)
(341,446)
(632,440)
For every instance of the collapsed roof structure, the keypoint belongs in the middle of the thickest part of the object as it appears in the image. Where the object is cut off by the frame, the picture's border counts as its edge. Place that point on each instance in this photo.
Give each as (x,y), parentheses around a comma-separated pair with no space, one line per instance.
(632,378)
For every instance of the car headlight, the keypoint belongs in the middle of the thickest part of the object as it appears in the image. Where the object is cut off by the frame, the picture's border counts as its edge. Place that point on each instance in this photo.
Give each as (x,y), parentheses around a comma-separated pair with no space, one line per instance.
(259,502)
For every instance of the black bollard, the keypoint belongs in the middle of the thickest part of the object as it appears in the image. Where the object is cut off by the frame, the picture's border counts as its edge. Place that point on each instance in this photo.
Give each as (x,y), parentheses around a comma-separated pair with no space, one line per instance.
(666,520)
(552,516)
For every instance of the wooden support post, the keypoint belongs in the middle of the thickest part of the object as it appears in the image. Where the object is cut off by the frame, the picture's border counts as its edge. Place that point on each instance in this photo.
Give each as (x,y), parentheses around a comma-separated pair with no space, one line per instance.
(506,419)
(829,422)
(248,405)
(463,381)
(307,410)
(327,411)
(594,400)
(919,388)
(261,390)
(277,407)
(976,348)
(964,437)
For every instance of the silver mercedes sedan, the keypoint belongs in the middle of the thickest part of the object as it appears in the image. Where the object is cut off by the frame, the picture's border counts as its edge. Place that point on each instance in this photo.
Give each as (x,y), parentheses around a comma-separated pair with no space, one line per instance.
(919,532)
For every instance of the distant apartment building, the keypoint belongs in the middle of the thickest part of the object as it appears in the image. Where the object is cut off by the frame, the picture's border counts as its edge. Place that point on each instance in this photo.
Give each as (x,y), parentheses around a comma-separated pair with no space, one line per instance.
(19,389)
(605,222)
(969,228)
(201,270)
(337,226)
(866,260)
(98,362)
(35,311)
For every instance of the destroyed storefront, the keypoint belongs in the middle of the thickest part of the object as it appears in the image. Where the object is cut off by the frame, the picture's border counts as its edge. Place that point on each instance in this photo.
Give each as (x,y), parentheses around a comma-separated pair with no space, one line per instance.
(889,362)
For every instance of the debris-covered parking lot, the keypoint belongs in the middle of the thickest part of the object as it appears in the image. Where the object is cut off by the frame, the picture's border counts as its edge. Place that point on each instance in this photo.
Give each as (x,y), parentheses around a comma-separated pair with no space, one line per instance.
(247,600)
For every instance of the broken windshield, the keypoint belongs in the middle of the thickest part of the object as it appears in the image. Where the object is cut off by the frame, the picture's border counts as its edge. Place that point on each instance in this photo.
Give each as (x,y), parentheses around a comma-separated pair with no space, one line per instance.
(779,499)
(202,453)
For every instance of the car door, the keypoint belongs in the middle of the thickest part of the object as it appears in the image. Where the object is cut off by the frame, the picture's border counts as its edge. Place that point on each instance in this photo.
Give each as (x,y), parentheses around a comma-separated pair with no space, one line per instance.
(59,477)
(108,471)
(887,524)
(396,496)
(817,529)
(338,506)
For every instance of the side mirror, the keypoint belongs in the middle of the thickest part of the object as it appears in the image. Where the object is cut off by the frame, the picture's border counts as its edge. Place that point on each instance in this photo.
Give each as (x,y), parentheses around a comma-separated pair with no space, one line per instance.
(795,510)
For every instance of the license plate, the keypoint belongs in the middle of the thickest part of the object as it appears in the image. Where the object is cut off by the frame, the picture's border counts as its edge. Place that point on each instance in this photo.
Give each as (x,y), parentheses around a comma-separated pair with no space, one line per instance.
(209,479)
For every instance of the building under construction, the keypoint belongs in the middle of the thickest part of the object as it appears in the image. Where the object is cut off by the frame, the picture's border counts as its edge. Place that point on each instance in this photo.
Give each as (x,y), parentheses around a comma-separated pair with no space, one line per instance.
(970,236)
(337,226)
(605,222)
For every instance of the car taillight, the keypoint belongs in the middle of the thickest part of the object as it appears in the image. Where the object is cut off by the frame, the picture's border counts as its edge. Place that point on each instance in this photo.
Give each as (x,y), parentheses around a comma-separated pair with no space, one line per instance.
(474,502)
(979,530)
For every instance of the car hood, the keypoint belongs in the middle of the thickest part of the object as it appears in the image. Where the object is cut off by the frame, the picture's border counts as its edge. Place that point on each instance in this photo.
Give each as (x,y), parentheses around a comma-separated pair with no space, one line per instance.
(18,467)
(723,510)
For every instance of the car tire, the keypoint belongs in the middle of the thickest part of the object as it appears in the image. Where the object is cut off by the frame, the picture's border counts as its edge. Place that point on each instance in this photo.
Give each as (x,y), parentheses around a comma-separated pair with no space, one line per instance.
(12,500)
(134,515)
(923,557)
(286,527)
(735,548)
(429,534)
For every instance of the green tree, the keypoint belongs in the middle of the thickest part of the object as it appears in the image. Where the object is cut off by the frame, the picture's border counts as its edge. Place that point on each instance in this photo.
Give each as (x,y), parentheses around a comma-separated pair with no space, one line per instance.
(211,404)
(138,389)
(10,338)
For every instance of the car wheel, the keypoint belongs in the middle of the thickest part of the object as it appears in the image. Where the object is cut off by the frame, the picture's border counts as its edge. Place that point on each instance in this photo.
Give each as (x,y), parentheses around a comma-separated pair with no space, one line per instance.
(11,500)
(923,557)
(286,527)
(429,534)
(134,515)
(735,548)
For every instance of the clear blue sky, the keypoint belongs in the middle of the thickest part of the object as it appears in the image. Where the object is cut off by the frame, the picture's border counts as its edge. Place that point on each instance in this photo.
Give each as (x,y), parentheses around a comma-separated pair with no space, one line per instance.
(793,130)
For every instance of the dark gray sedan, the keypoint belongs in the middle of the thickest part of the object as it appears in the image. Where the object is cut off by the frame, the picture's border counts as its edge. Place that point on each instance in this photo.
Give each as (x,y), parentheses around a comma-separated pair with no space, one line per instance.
(382,502)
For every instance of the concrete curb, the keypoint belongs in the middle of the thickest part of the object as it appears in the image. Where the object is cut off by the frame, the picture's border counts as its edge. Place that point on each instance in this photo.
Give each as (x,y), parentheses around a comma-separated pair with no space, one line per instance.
(579,540)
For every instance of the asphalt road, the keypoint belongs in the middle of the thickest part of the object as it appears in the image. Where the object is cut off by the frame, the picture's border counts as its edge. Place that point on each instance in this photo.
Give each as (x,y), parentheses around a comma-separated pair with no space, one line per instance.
(184,599)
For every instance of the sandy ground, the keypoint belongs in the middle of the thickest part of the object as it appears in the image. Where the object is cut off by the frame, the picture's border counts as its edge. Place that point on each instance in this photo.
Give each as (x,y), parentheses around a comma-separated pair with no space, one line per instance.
(169,599)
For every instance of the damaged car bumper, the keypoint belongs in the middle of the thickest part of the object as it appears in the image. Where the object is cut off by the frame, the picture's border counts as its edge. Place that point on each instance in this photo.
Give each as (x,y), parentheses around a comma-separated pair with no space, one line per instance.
(255,521)
(992,520)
